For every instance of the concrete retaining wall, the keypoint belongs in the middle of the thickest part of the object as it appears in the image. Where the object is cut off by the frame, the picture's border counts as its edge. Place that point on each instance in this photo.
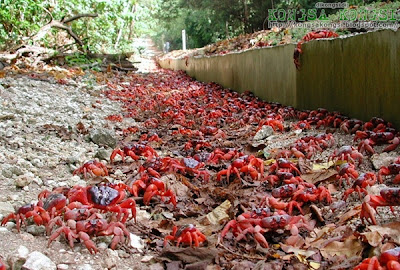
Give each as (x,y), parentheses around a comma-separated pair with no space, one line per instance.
(358,76)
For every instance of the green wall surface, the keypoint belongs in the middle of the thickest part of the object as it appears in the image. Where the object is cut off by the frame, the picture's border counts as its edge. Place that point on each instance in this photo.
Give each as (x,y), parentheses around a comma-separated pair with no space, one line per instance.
(357,75)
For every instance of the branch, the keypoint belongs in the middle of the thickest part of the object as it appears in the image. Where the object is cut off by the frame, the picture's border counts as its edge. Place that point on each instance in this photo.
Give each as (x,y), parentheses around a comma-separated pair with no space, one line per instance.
(73,18)
(63,25)
(60,25)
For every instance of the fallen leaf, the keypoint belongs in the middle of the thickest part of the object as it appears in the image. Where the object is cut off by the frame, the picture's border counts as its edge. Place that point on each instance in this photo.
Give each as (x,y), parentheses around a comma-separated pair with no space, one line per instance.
(349,248)
(297,251)
(350,214)
(219,214)
(373,238)
(391,229)
(319,176)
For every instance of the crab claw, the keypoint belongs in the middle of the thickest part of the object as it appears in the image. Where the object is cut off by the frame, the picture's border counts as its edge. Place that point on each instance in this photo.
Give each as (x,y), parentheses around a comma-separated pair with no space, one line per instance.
(85,238)
(367,213)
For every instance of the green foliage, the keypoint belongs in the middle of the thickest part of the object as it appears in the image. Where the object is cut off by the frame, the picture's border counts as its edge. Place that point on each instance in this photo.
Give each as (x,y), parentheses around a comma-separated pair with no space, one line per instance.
(208,21)
(20,19)
(79,59)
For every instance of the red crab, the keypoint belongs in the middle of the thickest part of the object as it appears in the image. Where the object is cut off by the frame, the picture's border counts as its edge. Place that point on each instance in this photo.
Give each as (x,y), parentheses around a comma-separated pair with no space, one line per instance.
(39,214)
(388,259)
(348,153)
(224,154)
(388,197)
(134,151)
(93,226)
(304,124)
(186,166)
(346,171)
(280,205)
(274,123)
(248,224)
(284,165)
(359,185)
(186,234)
(196,145)
(2,265)
(392,169)
(110,198)
(309,193)
(310,36)
(372,138)
(284,191)
(245,164)
(92,167)
(258,226)
(157,187)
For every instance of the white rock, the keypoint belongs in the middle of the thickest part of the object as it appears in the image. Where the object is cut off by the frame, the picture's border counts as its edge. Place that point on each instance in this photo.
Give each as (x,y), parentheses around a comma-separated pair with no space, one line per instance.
(84,267)
(62,266)
(102,246)
(136,242)
(147,258)
(38,261)
(263,133)
(22,252)
(3,230)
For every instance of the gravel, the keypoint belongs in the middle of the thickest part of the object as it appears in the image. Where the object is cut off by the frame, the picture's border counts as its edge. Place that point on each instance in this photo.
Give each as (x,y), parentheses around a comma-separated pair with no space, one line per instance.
(40,146)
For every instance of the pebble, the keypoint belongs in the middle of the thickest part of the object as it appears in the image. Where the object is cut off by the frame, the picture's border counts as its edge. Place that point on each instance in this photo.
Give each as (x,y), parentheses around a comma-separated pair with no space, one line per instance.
(84,267)
(103,154)
(103,137)
(3,230)
(22,252)
(38,261)
(36,230)
(23,181)
(62,266)
(136,242)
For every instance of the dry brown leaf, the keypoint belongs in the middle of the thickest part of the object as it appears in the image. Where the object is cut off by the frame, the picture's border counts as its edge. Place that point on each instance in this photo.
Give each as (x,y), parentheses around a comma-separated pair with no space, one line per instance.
(219,214)
(350,214)
(349,248)
(297,251)
(2,73)
(373,238)
(391,229)
(319,176)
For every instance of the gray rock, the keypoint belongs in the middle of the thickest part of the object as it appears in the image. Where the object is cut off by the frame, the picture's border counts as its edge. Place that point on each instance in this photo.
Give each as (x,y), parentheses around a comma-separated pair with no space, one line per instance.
(103,137)
(263,133)
(7,173)
(84,267)
(38,261)
(382,159)
(6,208)
(103,154)
(36,230)
(16,170)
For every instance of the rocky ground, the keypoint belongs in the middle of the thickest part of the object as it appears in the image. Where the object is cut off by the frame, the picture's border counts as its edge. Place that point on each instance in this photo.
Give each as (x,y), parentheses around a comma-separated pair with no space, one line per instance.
(47,130)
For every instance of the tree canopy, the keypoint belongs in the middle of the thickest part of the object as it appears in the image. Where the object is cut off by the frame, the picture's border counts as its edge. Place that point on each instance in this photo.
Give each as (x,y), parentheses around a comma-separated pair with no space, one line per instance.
(118,21)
